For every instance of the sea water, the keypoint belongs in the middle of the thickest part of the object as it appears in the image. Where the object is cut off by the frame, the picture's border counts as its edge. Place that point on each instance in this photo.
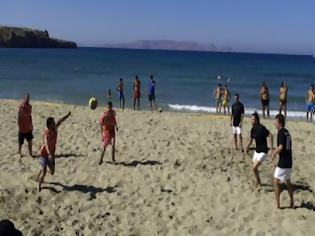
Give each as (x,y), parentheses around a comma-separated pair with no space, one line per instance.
(185,80)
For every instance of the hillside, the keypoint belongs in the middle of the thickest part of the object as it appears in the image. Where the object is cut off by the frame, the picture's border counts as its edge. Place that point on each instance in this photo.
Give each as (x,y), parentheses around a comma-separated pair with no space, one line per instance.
(13,37)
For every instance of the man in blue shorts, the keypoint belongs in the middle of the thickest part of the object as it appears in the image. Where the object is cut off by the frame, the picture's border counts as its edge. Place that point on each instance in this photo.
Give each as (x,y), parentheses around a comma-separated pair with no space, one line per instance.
(310,103)
(120,89)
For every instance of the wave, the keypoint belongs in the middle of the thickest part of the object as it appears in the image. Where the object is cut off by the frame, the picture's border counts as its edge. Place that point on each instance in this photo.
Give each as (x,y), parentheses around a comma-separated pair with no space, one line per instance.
(248,111)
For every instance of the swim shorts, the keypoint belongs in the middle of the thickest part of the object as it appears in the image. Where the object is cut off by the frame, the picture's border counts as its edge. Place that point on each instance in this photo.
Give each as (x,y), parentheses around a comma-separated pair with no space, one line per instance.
(44,162)
(28,136)
(259,156)
(283,173)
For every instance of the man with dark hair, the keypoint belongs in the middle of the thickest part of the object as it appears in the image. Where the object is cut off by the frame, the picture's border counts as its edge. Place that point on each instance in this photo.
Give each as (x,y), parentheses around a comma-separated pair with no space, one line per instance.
(48,148)
(265,98)
(25,125)
(310,101)
(120,89)
(284,167)
(237,120)
(260,134)
(218,98)
(136,92)
(151,93)
(283,98)
(226,99)
(7,228)
(108,134)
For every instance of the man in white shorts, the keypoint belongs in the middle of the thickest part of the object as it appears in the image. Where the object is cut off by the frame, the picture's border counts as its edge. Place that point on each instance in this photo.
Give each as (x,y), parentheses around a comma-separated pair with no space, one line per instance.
(237,120)
(284,168)
(260,134)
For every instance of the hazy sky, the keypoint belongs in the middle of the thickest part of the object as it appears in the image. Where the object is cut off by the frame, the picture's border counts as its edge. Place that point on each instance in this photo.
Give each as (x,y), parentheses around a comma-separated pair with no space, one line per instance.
(280,26)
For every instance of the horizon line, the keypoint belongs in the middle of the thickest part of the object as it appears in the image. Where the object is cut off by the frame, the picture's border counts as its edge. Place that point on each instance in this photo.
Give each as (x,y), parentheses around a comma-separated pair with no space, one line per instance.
(203,51)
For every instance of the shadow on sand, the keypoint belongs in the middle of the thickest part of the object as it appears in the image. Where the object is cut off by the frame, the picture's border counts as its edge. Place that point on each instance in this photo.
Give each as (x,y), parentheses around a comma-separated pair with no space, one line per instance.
(80,188)
(135,163)
(308,205)
(297,187)
(62,155)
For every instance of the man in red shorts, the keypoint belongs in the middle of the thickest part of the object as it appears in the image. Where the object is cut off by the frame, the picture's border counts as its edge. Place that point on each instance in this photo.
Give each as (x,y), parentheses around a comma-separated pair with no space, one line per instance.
(136,92)
(108,126)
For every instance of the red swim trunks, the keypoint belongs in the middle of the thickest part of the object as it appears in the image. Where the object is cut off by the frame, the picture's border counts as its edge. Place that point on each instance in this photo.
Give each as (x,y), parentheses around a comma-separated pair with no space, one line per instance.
(108,123)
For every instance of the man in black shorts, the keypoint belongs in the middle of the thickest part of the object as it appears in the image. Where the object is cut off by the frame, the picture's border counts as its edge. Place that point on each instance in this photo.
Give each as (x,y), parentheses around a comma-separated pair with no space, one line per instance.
(237,120)
(260,134)
(284,168)
(25,124)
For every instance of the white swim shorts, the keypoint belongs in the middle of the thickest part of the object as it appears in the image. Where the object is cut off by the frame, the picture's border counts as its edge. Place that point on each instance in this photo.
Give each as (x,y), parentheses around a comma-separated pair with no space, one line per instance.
(259,156)
(283,173)
(236,130)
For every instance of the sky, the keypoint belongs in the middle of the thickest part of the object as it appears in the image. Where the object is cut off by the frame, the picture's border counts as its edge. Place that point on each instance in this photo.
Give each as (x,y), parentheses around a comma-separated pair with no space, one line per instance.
(268,26)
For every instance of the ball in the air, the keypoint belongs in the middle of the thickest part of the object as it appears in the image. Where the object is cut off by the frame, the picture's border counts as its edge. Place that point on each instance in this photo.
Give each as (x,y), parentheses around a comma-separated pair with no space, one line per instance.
(160,109)
(93,103)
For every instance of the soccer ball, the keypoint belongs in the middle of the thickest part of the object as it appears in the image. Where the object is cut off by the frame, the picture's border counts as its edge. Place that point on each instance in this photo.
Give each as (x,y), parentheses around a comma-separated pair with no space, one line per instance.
(93,103)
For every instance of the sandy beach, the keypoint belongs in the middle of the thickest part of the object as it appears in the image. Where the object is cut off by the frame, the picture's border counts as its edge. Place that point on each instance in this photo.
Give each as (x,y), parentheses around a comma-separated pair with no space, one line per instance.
(177,174)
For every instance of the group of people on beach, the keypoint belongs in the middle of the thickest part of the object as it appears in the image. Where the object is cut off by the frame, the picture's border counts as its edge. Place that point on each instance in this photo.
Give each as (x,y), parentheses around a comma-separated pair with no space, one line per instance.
(223,97)
(260,134)
(49,138)
(136,93)
(109,127)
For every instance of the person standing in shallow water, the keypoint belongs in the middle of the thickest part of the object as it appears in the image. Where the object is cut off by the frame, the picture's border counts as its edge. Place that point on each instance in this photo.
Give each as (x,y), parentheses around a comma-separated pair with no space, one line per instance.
(284,168)
(237,120)
(109,95)
(226,99)
(120,89)
(310,103)
(283,99)
(25,125)
(136,92)
(260,134)
(265,99)
(218,98)
(151,93)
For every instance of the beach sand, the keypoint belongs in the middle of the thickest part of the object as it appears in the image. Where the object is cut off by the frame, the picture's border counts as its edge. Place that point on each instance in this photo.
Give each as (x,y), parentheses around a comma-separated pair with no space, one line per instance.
(177,174)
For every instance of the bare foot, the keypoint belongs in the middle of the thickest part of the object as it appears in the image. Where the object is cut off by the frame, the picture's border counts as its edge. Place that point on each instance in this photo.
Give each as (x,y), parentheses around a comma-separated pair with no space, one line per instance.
(100,162)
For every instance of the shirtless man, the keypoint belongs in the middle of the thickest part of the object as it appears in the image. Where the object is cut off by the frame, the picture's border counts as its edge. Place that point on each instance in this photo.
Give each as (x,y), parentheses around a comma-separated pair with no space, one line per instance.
(265,98)
(310,100)
(136,92)
(218,97)
(283,98)
(226,99)
(120,89)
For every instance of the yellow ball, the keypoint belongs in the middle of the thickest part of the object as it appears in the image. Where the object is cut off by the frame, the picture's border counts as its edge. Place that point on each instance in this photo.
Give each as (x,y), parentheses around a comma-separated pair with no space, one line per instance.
(93,103)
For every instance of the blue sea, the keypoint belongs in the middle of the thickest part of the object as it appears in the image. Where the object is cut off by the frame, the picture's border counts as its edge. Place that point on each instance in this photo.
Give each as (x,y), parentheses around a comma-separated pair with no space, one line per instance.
(185,80)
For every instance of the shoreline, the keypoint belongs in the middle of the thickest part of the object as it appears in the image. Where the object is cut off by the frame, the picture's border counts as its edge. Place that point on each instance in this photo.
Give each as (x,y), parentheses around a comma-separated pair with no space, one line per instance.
(170,110)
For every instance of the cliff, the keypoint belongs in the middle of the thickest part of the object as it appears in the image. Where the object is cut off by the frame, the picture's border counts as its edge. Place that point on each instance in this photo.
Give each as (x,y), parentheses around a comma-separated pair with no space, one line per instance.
(13,37)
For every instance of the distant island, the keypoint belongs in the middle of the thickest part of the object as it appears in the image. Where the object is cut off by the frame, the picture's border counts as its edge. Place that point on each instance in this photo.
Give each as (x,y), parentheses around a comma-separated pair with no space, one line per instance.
(14,37)
(168,45)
